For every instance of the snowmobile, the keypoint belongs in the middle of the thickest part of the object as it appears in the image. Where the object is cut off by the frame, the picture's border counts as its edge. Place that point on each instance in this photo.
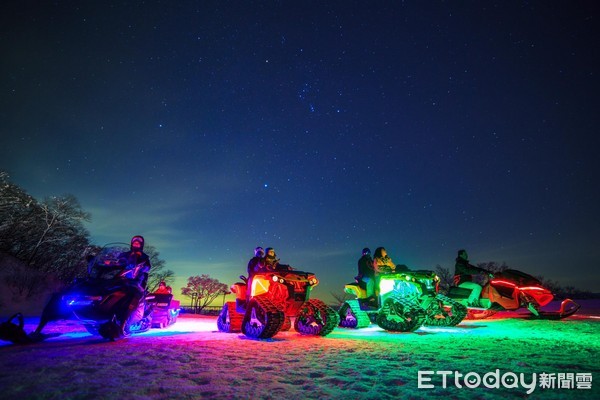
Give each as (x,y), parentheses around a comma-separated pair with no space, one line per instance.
(266,302)
(510,290)
(406,300)
(165,309)
(98,299)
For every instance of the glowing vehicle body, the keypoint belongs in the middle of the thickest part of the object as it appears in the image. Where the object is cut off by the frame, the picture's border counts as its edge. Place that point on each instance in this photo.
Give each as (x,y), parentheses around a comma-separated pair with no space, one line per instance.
(273,299)
(165,309)
(406,300)
(510,290)
(96,300)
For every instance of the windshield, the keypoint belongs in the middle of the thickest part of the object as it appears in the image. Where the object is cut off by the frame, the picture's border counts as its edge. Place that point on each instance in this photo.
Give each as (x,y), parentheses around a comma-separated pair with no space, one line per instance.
(109,263)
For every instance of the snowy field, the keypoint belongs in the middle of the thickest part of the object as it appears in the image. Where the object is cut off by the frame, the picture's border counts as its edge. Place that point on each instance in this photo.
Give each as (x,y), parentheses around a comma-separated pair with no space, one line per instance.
(192,360)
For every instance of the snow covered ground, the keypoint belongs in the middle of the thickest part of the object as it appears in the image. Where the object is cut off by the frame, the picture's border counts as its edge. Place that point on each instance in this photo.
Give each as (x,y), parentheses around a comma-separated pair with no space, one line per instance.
(191,360)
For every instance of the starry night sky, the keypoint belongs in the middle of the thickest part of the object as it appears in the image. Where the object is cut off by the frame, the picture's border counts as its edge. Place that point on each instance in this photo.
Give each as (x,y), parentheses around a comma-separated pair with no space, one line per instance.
(317,128)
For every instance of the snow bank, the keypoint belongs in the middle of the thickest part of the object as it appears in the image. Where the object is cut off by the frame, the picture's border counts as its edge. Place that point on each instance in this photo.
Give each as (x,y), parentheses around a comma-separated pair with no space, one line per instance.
(191,360)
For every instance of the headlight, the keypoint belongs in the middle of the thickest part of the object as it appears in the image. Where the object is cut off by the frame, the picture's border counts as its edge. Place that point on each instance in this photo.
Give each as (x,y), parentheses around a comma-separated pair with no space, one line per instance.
(80,300)
(386,286)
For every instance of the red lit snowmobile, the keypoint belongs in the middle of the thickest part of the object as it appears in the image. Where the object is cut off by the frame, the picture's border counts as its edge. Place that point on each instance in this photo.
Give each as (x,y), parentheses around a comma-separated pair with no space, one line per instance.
(406,301)
(510,290)
(264,307)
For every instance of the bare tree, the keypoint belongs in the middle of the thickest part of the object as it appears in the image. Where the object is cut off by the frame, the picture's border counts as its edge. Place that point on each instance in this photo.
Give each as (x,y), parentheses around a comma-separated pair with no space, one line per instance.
(154,279)
(564,292)
(17,210)
(493,266)
(49,237)
(203,290)
(59,219)
(158,273)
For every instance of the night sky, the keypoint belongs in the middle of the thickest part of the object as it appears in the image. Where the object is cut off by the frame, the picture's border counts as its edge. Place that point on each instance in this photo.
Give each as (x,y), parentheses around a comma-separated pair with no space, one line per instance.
(317,128)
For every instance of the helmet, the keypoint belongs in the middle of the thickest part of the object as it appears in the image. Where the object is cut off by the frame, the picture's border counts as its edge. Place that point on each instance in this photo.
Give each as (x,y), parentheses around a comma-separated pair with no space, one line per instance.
(138,239)
(268,249)
(259,252)
(366,251)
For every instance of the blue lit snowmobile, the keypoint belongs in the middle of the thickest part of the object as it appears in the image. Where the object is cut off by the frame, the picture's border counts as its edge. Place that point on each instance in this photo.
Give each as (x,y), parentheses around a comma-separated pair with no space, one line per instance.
(98,300)
(406,300)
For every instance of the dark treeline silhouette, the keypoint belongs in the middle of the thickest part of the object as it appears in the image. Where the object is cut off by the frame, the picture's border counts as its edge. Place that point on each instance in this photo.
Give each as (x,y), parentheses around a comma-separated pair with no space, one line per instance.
(560,292)
(46,241)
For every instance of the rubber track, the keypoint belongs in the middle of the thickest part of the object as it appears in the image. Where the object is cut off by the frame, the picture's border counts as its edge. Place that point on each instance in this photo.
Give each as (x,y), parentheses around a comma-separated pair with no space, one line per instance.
(325,317)
(351,316)
(411,318)
(457,313)
(273,319)
(229,319)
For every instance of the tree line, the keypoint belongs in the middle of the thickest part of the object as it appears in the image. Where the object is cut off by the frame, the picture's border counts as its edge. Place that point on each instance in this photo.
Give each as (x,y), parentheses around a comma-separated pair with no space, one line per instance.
(560,292)
(47,237)
(44,241)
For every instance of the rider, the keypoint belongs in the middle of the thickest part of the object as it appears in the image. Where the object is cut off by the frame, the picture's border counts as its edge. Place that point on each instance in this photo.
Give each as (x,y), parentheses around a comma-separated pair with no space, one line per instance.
(163,288)
(259,253)
(463,272)
(138,266)
(254,266)
(137,262)
(382,263)
(366,273)
(270,262)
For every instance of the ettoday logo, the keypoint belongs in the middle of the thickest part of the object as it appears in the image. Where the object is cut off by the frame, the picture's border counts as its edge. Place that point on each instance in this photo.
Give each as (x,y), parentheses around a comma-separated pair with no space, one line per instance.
(472,380)
(507,380)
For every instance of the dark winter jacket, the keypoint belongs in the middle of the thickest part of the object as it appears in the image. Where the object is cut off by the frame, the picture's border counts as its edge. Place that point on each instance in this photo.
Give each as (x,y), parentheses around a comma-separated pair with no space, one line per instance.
(253,265)
(463,271)
(138,265)
(269,263)
(365,267)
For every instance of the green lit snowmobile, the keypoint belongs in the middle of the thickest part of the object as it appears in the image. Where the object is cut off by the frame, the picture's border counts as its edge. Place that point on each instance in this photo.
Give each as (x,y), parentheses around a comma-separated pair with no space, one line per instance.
(264,306)
(405,301)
